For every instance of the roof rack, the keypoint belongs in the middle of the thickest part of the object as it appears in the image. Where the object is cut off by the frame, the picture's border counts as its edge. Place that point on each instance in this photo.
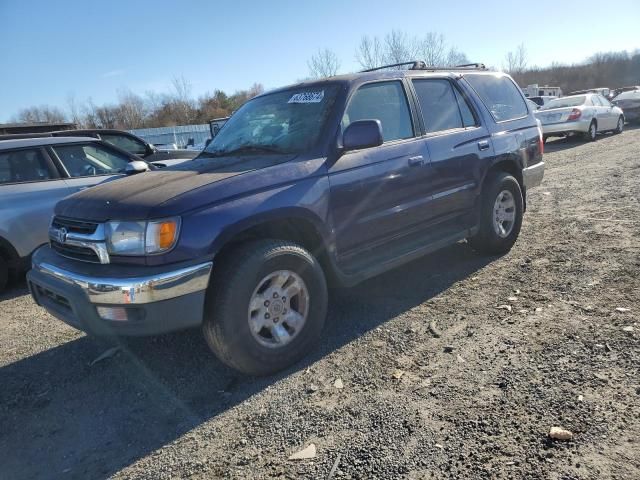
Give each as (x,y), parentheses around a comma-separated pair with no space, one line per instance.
(420,65)
(415,65)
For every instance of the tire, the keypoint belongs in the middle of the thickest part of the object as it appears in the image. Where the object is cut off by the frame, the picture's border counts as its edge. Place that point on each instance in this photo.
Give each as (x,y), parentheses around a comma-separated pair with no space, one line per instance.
(238,280)
(590,135)
(620,125)
(4,273)
(488,239)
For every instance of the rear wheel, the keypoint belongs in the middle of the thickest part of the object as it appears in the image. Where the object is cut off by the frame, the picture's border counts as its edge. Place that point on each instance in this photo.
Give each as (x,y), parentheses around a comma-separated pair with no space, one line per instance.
(4,273)
(620,125)
(590,136)
(266,306)
(500,214)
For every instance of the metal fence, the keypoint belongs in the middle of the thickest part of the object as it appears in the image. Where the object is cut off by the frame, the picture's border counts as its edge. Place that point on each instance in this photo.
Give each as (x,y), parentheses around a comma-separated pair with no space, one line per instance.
(180,135)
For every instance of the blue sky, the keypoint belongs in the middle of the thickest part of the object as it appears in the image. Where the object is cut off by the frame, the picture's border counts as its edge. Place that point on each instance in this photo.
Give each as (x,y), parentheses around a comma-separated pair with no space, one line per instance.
(54,49)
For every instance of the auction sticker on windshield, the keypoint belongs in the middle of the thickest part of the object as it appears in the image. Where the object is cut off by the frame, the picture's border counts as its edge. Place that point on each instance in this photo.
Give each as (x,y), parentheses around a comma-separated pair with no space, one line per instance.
(307,97)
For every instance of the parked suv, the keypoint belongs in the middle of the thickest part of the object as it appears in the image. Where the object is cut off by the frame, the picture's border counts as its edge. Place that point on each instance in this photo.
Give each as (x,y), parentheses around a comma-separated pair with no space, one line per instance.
(329,181)
(34,174)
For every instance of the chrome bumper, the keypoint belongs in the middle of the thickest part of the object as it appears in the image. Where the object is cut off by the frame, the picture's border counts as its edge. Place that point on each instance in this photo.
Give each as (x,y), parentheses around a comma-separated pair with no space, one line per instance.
(567,127)
(134,290)
(532,176)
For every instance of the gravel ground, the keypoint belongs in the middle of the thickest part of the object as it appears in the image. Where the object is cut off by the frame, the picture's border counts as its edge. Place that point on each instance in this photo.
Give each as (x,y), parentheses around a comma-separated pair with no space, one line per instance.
(527,341)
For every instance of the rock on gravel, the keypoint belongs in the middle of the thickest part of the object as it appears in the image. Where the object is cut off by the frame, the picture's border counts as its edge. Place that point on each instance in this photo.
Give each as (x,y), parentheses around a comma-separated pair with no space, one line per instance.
(557,433)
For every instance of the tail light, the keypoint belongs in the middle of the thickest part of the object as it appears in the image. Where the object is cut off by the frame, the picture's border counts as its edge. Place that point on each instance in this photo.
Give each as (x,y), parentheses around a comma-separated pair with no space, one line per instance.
(540,140)
(575,114)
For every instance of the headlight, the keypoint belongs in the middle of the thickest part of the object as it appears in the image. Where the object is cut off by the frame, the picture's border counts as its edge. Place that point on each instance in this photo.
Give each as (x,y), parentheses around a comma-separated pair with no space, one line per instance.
(140,238)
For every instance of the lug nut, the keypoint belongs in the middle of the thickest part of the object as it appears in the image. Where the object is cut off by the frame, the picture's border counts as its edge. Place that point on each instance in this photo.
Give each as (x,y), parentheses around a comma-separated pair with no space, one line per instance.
(267,316)
(276,320)
(266,303)
(284,299)
(275,295)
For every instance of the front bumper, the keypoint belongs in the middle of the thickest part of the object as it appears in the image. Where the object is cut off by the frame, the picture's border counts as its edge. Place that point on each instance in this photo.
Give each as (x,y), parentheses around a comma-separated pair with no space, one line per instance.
(580,126)
(532,176)
(155,299)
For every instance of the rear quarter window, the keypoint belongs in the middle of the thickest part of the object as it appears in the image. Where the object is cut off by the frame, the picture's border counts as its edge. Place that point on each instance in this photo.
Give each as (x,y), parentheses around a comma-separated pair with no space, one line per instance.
(500,95)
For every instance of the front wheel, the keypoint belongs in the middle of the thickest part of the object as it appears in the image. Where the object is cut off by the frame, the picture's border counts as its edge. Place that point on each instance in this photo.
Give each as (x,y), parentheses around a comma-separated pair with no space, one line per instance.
(501,213)
(620,125)
(266,306)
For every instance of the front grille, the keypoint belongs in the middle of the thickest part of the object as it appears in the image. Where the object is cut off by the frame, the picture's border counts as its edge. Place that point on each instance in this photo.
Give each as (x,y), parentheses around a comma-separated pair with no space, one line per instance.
(74,252)
(74,226)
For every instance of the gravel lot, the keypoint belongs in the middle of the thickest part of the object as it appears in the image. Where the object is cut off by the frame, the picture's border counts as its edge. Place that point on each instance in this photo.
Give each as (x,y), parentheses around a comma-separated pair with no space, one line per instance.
(527,341)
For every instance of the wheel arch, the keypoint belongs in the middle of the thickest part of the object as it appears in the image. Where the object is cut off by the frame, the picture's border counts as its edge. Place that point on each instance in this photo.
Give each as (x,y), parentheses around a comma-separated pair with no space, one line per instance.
(293,224)
(511,167)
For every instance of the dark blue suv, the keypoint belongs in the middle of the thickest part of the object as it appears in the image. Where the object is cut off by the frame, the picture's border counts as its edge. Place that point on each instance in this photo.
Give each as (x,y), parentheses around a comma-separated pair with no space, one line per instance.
(323,182)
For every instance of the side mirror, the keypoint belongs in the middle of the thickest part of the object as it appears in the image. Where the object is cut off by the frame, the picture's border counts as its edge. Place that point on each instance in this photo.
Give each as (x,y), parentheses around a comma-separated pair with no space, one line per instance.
(150,149)
(137,166)
(362,134)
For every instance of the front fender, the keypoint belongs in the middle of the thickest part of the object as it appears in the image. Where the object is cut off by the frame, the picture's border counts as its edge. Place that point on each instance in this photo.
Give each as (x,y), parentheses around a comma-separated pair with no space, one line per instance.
(205,231)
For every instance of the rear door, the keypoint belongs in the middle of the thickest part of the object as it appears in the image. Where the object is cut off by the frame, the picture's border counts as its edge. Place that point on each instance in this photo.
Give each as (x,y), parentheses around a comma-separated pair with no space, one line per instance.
(30,187)
(88,164)
(457,143)
(378,195)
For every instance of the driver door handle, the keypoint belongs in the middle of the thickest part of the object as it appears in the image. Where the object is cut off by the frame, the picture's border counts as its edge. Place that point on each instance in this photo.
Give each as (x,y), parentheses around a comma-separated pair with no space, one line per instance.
(483,145)
(416,161)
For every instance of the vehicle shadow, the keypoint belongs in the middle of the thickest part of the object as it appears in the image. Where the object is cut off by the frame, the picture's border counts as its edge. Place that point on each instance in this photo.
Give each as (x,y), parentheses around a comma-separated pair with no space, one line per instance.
(559,144)
(15,288)
(62,416)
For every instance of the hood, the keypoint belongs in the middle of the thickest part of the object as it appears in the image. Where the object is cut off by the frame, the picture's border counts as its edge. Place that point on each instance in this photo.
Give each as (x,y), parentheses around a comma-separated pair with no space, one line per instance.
(139,197)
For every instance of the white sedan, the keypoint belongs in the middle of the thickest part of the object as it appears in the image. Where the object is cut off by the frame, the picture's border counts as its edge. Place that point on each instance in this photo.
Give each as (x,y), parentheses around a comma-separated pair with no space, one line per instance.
(586,115)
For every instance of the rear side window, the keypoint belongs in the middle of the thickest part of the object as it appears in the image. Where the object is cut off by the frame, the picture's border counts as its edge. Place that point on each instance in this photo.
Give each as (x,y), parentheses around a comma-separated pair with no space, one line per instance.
(384,101)
(438,104)
(500,96)
(442,106)
(23,166)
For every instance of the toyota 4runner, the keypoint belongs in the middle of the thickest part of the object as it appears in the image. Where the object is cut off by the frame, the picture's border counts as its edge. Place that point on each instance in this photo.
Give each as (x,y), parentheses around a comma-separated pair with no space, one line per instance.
(324,182)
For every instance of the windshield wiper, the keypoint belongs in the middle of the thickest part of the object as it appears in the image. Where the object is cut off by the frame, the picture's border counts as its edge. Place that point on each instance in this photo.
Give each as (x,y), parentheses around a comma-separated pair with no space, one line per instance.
(244,149)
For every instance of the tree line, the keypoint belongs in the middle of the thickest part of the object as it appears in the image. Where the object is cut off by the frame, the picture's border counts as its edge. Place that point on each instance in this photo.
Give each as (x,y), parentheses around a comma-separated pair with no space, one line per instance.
(610,69)
(176,107)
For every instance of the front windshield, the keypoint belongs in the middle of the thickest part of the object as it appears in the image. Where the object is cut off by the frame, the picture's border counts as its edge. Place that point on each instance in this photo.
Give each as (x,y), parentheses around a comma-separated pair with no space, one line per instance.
(565,102)
(286,122)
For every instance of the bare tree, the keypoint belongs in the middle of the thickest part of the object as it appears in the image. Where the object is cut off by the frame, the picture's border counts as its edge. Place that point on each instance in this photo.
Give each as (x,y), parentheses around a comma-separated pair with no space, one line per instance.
(456,57)
(323,63)
(399,48)
(369,53)
(516,62)
(131,110)
(74,111)
(433,49)
(181,105)
(43,113)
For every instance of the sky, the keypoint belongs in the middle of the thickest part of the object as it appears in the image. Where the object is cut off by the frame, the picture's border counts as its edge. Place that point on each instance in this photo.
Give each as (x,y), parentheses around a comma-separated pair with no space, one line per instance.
(54,50)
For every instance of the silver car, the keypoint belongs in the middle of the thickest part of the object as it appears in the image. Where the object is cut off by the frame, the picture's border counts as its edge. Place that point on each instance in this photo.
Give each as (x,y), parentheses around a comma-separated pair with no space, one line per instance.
(37,172)
(586,115)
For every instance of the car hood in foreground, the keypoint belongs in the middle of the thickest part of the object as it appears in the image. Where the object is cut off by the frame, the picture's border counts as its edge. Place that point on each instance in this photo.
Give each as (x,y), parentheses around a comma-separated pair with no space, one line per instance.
(160,192)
